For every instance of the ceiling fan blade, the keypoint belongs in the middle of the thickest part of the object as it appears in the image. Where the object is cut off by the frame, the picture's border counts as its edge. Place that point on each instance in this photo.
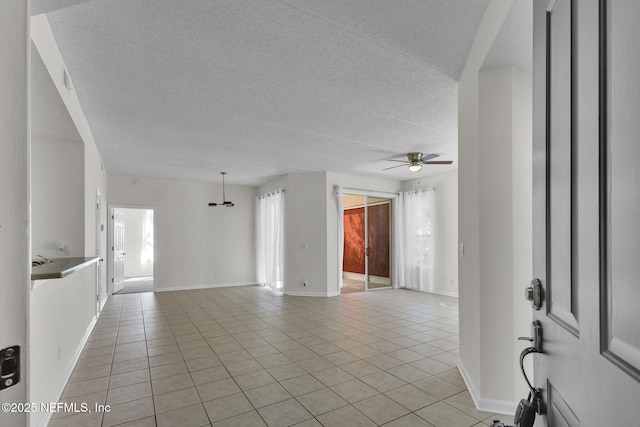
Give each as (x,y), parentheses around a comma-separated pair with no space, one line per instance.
(393,160)
(429,157)
(393,167)
(438,162)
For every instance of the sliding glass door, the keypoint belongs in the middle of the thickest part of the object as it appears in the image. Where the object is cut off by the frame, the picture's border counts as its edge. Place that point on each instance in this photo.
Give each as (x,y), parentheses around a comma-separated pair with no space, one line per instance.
(367,243)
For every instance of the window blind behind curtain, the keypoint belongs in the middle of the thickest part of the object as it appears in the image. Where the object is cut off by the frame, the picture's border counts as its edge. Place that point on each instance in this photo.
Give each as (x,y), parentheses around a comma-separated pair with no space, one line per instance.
(270,239)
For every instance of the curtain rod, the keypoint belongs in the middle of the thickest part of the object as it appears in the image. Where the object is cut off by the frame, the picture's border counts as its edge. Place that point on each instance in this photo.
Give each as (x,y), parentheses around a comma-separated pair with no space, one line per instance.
(271,193)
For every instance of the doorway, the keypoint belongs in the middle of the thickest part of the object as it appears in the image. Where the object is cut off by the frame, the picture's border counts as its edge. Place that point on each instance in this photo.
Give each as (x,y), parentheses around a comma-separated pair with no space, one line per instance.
(132,249)
(367,243)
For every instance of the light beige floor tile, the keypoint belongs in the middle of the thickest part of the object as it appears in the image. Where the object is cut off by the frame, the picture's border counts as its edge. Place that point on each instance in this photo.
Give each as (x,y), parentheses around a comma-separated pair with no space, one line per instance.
(243,367)
(163,349)
(436,387)
(163,371)
(89,362)
(354,391)
(253,379)
(130,366)
(248,419)
(381,409)
(408,373)
(382,381)
(208,375)
(129,393)
(165,359)
(227,407)
(360,368)
(191,345)
(333,376)
(175,400)
(411,397)
(302,385)
(409,420)
(341,358)
(345,416)
(203,363)
(311,422)
(321,401)
(172,383)
(442,414)
(144,422)
(197,353)
(273,360)
(82,388)
(384,361)
(129,411)
(267,395)
(94,372)
(431,366)
(93,419)
(285,372)
(190,416)
(90,400)
(464,403)
(284,413)
(453,376)
(130,354)
(217,389)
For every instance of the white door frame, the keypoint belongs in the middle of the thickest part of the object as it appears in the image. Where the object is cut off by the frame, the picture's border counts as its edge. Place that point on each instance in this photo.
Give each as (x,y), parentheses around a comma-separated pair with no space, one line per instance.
(99,228)
(110,241)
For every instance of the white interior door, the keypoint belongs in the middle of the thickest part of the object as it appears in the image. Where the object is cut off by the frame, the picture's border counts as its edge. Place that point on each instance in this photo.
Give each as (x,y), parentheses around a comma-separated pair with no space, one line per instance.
(118,251)
(586,204)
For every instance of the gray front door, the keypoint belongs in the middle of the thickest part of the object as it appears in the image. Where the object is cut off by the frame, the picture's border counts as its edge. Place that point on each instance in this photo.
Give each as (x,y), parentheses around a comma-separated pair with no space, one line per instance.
(587,210)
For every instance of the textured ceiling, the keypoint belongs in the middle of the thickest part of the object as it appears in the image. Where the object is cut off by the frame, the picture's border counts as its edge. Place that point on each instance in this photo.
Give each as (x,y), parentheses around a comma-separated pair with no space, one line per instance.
(514,43)
(185,89)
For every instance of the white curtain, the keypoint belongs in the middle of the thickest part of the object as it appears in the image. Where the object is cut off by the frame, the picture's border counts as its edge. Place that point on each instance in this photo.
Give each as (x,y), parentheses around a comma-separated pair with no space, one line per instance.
(270,239)
(413,245)
(340,205)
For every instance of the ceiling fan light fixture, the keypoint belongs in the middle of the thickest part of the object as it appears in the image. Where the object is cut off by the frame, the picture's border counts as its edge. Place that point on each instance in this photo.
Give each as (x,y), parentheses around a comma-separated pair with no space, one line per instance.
(415,167)
(225,202)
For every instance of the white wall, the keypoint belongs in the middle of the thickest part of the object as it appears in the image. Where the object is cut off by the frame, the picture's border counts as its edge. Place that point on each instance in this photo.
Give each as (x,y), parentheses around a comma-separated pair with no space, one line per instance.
(134,264)
(62,311)
(61,319)
(305,224)
(445,232)
(494,137)
(311,218)
(14,192)
(196,245)
(57,169)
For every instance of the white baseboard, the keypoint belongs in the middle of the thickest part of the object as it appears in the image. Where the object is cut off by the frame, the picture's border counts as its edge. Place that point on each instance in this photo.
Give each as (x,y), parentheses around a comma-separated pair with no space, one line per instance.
(445,293)
(311,294)
(493,406)
(44,421)
(209,286)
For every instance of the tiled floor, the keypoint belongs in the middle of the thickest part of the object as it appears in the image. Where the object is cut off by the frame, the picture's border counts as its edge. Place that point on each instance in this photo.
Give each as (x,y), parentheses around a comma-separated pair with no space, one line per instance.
(245,356)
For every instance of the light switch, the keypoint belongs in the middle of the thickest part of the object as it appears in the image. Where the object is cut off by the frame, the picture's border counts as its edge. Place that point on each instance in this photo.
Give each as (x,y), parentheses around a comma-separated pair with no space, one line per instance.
(304,245)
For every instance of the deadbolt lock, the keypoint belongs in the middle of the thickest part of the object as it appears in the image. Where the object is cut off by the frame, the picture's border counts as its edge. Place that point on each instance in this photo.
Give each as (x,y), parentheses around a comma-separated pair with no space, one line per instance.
(533,293)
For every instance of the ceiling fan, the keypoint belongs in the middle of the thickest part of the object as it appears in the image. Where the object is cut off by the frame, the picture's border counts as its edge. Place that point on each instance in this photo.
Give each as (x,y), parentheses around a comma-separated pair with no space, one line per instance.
(225,202)
(416,160)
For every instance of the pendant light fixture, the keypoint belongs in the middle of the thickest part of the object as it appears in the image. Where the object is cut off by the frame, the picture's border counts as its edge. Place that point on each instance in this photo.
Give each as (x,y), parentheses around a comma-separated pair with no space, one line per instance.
(225,202)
